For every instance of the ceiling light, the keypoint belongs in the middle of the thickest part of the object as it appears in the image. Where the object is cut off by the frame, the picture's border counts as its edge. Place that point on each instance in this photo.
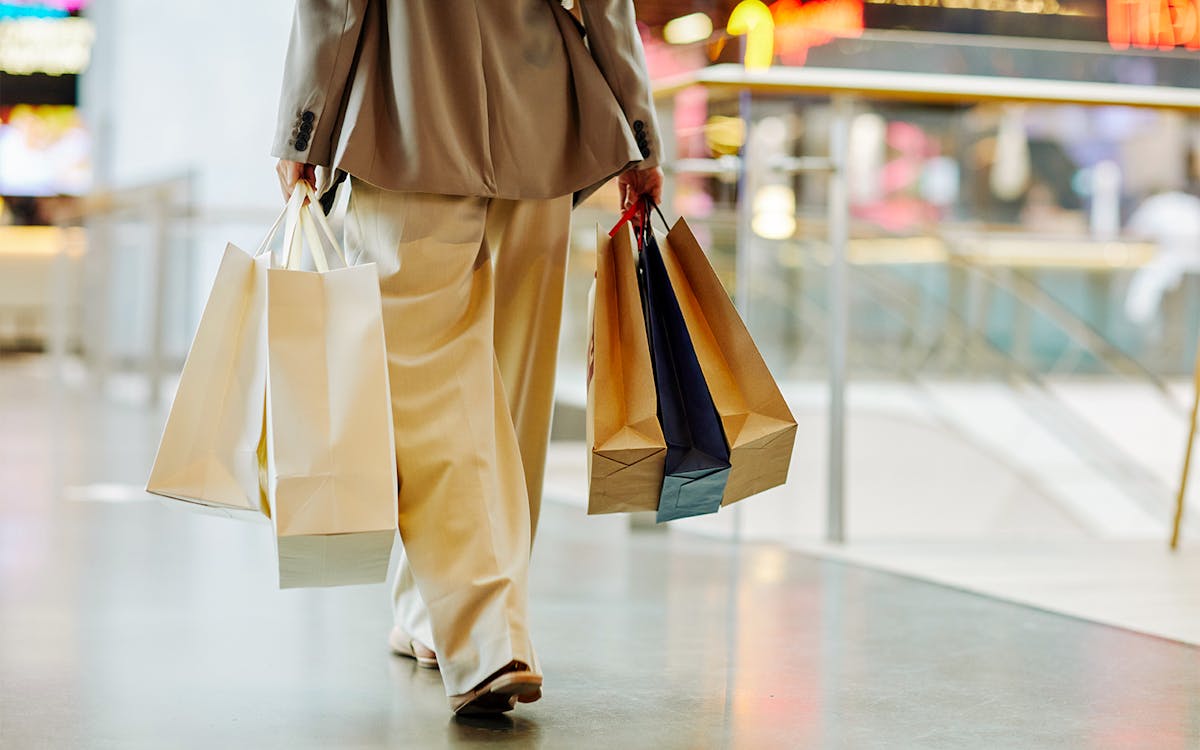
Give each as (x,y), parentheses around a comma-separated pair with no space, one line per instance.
(689,29)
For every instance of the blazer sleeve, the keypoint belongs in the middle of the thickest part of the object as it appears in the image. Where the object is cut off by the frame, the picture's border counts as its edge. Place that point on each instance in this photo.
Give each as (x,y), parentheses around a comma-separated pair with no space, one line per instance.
(616,46)
(315,75)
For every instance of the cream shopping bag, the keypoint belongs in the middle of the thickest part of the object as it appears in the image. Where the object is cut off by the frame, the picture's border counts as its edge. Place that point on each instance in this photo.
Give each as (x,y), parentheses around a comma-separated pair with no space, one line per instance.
(626,449)
(331,460)
(758,425)
(209,452)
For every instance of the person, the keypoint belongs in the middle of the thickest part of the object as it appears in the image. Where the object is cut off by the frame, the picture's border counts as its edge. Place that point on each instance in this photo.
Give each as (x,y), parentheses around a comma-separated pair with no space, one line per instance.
(468,129)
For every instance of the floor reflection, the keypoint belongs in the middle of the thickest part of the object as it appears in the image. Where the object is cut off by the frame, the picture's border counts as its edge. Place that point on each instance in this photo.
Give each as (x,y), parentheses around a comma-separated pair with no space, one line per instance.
(138,624)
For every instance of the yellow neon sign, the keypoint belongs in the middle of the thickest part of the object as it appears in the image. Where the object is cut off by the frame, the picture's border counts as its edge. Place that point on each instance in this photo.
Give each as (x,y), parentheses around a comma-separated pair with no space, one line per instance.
(753,19)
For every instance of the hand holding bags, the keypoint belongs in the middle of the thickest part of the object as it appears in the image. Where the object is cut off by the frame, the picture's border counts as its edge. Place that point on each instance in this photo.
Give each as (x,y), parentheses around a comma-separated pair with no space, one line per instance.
(705,366)
(330,448)
(625,443)
(288,368)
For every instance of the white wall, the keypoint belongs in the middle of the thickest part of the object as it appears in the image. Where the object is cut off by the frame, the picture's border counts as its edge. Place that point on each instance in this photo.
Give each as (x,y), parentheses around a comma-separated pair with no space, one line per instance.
(180,85)
(175,88)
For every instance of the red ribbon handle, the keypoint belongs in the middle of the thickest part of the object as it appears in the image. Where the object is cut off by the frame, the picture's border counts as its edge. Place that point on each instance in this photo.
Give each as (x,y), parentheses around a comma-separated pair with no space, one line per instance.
(629,214)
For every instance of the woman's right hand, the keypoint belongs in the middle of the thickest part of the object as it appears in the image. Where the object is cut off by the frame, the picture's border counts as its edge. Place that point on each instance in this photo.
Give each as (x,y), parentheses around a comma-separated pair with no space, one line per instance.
(291,172)
(638,182)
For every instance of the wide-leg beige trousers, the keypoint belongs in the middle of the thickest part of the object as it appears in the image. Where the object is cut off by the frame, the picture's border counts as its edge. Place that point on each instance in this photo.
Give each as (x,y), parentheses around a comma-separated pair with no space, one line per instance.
(472,304)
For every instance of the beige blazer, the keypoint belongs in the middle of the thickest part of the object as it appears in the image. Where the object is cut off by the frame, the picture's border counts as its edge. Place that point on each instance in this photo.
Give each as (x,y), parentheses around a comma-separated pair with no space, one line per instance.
(495,98)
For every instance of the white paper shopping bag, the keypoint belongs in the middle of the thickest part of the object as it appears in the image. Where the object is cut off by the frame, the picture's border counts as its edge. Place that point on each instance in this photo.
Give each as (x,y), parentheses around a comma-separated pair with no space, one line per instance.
(331,455)
(209,453)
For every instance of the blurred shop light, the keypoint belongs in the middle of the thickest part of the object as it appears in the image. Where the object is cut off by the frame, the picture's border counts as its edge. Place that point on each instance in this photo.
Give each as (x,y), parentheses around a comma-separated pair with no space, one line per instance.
(45,150)
(867,153)
(14,10)
(774,212)
(724,135)
(42,45)
(753,19)
(1011,169)
(71,6)
(771,133)
(1105,215)
(940,180)
(689,29)
(801,26)
(1154,24)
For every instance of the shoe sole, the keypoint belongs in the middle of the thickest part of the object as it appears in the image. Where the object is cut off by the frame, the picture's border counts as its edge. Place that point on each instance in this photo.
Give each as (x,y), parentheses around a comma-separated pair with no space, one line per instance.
(531,697)
(502,694)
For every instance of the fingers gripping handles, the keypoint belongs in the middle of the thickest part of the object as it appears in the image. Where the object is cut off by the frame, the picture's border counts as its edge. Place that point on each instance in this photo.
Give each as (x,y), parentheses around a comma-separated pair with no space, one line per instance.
(303,223)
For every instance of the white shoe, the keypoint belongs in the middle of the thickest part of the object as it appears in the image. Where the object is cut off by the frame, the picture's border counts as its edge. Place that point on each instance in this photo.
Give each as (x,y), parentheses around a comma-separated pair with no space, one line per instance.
(403,644)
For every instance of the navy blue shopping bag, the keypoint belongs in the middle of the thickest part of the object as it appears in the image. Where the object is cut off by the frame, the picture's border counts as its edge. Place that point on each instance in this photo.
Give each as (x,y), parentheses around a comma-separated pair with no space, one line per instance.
(697,461)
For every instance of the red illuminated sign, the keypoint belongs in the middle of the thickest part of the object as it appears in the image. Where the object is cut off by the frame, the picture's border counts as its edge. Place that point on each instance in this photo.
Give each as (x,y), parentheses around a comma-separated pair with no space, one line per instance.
(1154,24)
(801,26)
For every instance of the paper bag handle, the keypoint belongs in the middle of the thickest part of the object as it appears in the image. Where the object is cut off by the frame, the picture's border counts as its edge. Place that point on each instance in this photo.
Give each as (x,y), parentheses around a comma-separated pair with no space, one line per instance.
(292,204)
(294,216)
(293,241)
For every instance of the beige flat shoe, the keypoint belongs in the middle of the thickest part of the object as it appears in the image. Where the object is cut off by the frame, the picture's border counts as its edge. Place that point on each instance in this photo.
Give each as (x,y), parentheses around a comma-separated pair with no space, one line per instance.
(500,692)
(402,644)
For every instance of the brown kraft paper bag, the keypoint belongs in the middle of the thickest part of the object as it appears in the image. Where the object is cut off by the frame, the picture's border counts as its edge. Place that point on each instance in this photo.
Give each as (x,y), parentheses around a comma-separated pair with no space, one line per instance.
(626,449)
(758,425)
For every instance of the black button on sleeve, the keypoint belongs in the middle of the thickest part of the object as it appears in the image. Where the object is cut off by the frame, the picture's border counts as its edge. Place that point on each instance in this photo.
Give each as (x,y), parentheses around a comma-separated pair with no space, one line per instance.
(645,151)
(638,125)
(308,116)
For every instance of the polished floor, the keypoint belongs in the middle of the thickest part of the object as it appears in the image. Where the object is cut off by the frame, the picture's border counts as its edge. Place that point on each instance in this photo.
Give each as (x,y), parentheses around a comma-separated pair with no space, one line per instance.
(126,623)
(959,483)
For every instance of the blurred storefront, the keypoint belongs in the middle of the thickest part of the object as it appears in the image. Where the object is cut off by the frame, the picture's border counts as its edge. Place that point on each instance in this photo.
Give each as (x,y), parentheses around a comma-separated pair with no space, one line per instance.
(1021,251)
(45,162)
(1081,213)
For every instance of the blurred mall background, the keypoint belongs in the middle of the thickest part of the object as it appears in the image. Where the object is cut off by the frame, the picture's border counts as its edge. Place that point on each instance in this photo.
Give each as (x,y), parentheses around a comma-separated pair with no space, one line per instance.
(978,221)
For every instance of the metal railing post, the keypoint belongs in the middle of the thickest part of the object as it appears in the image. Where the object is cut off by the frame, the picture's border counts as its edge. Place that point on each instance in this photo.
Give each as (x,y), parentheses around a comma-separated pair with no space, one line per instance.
(161,226)
(839,230)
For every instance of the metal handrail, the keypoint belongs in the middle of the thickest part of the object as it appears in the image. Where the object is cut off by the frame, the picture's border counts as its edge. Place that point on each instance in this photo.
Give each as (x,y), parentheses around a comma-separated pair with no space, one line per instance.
(1113,462)
(1078,330)
(843,87)
(157,203)
(927,88)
